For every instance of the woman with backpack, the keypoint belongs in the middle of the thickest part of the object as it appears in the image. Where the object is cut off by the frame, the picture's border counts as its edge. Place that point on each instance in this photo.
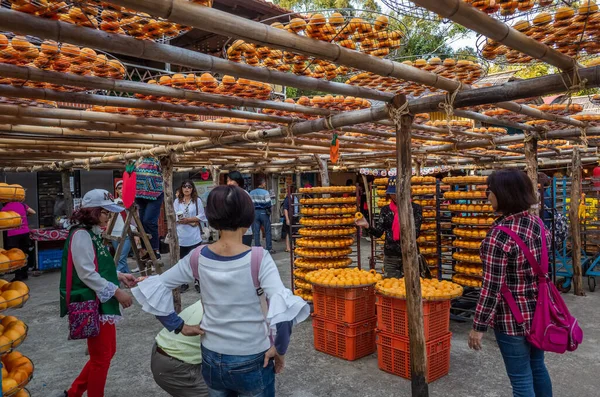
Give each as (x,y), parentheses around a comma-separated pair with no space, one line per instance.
(239,355)
(190,212)
(505,265)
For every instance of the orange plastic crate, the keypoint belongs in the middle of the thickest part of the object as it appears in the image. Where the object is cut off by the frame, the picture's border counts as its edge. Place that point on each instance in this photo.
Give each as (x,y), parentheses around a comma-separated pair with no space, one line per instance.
(392,317)
(348,305)
(347,341)
(393,356)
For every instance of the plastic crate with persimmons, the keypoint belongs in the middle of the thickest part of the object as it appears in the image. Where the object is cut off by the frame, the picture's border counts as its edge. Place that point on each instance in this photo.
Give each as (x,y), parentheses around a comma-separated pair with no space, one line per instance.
(393,356)
(348,305)
(392,317)
(347,341)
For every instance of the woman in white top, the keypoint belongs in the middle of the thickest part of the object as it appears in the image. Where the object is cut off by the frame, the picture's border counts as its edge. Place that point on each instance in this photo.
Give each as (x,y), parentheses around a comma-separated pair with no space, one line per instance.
(189,211)
(239,358)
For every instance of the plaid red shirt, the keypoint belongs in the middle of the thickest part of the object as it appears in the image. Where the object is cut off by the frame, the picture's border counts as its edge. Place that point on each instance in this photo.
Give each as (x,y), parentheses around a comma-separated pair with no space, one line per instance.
(503,261)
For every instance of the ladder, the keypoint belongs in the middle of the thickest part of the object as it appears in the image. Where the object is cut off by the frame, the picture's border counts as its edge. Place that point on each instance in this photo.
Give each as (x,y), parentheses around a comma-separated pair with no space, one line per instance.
(144,266)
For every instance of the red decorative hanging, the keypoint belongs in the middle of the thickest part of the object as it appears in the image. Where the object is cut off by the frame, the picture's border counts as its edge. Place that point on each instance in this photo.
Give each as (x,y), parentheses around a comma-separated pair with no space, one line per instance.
(334,150)
(129,185)
(596,178)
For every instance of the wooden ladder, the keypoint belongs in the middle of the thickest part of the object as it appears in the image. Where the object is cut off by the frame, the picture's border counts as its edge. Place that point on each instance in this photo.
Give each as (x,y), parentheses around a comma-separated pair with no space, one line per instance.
(132,214)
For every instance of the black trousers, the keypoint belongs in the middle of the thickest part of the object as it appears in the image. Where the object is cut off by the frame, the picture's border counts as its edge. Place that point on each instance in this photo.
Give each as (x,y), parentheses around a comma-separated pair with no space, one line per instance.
(22,242)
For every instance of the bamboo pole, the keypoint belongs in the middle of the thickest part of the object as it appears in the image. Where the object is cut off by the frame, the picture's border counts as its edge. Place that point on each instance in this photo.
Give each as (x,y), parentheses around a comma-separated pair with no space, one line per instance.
(408,239)
(167,174)
(126,86)
(160,133)
(105,100)
(576,223)
(502,140)
(531,159)
(23,23)
(13,126)
(470,17)
(509,91)
(302,128)
(81,115)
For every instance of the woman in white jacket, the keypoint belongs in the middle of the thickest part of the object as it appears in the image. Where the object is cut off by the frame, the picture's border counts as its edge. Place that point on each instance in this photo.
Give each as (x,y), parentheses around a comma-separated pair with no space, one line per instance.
(239,358)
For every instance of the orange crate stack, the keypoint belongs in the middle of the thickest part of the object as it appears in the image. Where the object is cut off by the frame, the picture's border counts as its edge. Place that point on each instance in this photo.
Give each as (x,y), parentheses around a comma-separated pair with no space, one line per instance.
(349,305)
(344,321)
(393,356)
(347,341)
(392,317)
(392,336)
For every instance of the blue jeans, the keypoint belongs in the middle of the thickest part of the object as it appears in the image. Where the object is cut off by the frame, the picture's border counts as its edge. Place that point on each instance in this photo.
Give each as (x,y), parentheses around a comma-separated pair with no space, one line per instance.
(149,214)
(122,264)
(232,376)
(525,366)
(261,218)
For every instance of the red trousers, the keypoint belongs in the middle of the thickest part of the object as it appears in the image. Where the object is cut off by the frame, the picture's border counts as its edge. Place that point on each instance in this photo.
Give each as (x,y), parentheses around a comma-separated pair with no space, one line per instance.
(93,376)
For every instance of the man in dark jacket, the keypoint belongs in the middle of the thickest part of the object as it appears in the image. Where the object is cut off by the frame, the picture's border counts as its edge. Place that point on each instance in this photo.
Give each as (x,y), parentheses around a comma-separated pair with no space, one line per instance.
(392,250)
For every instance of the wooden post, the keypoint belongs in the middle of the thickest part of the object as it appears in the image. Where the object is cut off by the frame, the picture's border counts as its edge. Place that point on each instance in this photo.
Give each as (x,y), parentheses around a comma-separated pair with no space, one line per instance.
(215,172)
(167,171)
(531,161)
(575,223)
(322,164)
(65,178)
(418,168)
(408,240)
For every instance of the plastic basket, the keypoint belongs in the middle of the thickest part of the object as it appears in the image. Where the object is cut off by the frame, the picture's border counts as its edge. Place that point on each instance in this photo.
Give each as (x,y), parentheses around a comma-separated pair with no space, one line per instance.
(50,259)
(393,356)
(392,317)
(347,341)
(348,305)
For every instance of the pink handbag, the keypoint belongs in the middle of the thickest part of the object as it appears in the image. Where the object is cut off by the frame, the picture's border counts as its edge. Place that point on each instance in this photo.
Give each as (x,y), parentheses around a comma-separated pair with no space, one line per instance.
(553,328)
(84,317)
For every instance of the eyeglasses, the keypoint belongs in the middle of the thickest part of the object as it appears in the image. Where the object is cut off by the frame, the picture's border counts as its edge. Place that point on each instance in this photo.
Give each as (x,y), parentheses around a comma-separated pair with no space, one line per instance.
(187,186)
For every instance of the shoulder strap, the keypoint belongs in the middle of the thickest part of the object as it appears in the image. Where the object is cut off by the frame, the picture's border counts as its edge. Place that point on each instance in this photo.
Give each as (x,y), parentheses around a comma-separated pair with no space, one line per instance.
(526,251)
(71,265)
(255,261)
(540,270)
(194,261)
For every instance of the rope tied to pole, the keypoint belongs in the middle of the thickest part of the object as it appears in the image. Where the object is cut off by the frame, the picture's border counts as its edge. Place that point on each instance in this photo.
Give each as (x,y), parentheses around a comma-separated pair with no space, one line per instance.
(583,136)
(86,164)
(328,123)
(448,104)
(245,135)
(290,133)
(395,114)
(492,143)
(575,84)
(216,140)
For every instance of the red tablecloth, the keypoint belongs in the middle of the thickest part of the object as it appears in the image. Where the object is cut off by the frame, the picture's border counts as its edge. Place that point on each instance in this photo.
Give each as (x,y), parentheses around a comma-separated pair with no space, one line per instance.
(49,234)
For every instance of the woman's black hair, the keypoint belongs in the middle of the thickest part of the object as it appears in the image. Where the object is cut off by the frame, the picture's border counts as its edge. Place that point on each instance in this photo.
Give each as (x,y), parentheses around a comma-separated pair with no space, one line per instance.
(513,190)
(194,191)
(229,208)
(237,177)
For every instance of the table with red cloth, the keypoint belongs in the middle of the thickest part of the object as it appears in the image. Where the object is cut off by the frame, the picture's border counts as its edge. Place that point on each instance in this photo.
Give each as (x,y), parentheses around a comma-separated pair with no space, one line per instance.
(47,238)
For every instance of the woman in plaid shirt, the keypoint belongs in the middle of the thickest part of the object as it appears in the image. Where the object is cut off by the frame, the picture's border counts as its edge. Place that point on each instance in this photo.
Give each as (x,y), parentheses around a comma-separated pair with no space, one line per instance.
(511,193)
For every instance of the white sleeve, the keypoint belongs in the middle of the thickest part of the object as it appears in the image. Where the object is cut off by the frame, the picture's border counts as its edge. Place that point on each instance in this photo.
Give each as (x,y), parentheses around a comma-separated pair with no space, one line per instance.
(283,304)
(83,253)
(155,294)
(201,215)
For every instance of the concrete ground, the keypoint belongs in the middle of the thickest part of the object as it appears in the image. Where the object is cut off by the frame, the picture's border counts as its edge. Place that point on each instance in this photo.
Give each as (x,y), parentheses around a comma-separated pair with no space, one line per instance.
(308,372)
